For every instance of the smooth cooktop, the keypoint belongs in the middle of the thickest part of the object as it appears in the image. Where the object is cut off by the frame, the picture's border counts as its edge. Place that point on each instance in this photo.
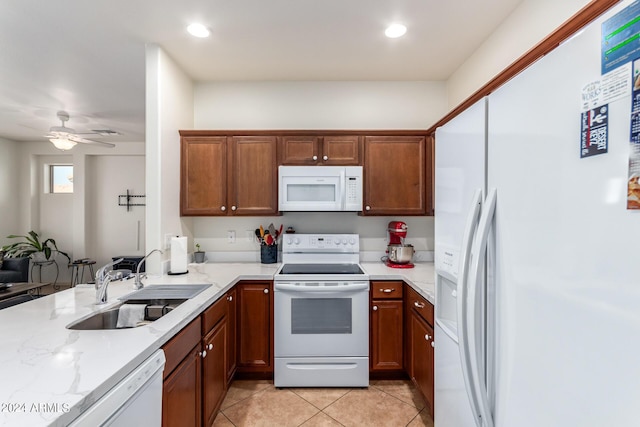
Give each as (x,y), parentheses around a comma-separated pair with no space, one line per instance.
(321,269)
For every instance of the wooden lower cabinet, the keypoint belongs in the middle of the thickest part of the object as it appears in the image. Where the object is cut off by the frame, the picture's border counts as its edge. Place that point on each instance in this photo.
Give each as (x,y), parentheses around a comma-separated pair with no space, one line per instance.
(386,320)
(419,345)
(214,372)
(422,357)
(232,310)
(255,327)
(182,386)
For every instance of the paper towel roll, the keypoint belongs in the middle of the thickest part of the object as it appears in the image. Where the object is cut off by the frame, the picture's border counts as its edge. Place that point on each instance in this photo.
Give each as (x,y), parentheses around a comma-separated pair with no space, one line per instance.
(179,254)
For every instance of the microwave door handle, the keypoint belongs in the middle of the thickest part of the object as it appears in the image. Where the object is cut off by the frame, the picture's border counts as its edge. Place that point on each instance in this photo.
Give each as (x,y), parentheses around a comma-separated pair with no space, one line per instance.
(342,187)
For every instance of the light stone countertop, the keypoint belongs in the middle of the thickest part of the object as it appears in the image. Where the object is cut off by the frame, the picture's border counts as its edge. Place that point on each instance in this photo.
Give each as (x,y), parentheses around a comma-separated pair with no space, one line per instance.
(49,374)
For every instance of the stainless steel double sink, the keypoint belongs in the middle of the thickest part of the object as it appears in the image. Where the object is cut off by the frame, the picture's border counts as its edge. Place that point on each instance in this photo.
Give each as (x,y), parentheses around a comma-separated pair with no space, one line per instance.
(158,300)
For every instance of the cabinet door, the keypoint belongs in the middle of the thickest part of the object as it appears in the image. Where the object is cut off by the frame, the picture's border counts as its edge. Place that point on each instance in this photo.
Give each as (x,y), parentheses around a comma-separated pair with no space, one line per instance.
(253,185)
(341,150)
(422,357)
(231,335)
(255,327)
(386,335)
(394,175)
(181,393)
(203,180)
(299,150)
(214,372)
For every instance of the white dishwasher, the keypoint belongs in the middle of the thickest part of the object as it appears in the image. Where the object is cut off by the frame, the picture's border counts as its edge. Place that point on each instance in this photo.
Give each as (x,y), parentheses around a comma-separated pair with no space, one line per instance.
(136,400)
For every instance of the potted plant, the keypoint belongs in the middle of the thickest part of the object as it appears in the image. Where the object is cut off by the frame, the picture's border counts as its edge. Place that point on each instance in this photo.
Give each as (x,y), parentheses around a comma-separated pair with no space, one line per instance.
(198,255)
(33,247)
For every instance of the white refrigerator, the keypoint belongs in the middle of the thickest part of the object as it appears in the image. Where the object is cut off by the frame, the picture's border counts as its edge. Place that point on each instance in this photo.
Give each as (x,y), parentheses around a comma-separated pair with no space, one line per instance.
(537,256)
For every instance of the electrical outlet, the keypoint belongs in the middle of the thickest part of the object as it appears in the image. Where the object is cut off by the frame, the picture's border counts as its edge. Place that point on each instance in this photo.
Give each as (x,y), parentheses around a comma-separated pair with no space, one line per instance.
(231,236)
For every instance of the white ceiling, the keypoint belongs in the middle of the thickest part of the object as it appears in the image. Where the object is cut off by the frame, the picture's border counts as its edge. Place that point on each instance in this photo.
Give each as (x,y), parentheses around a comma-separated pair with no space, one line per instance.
(87,57)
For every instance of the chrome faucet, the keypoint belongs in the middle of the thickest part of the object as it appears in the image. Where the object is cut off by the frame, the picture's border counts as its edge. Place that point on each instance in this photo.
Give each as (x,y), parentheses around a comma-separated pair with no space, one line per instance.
(138,284)
(103,278)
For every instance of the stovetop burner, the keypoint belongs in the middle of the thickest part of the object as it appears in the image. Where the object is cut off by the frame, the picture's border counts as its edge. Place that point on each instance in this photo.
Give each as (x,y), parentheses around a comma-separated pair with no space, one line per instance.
(321,269)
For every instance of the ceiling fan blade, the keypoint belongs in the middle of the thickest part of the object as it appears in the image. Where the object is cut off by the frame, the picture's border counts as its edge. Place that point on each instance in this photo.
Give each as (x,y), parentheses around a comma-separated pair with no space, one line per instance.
(81,140)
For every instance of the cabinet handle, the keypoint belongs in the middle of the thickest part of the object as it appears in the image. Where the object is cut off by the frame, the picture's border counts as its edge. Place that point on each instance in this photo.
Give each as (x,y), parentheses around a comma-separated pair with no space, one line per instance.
(325,158)
(223,208)
(202,353)
(427,337)
(387,291)
(233,208)
(315,157)
(433,344)
(375,308)
(418,304)
(368,208)
(209,346)
(230,298)
(266,291)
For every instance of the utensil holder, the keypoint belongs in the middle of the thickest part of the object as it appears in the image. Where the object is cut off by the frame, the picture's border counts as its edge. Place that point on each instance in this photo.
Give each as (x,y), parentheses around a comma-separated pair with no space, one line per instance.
(268,254)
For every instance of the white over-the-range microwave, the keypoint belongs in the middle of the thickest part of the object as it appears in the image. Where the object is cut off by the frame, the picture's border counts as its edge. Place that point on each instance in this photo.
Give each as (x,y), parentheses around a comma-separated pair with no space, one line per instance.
(320,188)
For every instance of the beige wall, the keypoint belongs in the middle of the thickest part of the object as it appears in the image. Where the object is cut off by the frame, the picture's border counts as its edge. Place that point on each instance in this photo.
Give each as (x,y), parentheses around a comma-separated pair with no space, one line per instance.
(9,189)
(531,22)
(315,105)
(169,108)
(319,105)
(68,218)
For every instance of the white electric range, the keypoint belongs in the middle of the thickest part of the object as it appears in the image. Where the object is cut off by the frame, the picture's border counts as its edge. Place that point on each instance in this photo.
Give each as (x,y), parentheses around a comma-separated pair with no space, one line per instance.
(321,313)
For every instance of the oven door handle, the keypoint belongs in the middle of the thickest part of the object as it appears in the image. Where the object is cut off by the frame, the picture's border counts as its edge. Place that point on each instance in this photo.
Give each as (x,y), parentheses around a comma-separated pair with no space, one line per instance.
(359,286)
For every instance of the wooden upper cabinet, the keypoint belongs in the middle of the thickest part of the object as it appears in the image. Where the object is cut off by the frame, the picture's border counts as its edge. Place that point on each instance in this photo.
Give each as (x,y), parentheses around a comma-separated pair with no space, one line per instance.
(203,180)
(331,150)
(253,181)
(299,150)
(223,175)
(341,150)
(395,172)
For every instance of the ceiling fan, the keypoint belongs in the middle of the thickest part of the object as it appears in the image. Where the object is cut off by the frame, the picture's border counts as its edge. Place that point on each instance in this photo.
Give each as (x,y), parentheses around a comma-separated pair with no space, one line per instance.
(65,138)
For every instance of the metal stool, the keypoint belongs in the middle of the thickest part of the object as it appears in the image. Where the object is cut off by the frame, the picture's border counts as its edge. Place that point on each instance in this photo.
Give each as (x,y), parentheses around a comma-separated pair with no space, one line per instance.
(77,270)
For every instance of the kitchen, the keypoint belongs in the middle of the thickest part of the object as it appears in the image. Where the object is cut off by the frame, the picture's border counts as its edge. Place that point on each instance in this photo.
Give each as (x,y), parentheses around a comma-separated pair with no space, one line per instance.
(159,236)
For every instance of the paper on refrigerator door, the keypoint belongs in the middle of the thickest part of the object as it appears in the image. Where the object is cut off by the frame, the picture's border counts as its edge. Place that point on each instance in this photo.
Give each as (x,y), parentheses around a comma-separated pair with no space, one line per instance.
(179,254)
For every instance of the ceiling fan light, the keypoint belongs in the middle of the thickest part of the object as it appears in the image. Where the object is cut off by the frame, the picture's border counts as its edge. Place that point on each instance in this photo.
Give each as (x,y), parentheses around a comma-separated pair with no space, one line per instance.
(62,143)
(198,30)
(394,31)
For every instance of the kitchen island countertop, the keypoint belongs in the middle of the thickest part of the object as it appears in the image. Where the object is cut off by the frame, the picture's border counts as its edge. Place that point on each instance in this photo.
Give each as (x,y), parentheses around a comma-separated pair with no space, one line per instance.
(51,374)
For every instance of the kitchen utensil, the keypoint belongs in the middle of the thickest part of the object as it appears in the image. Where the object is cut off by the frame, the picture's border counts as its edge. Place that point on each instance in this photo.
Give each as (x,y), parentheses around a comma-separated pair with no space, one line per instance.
(272,230)
(261,232)
(279,231)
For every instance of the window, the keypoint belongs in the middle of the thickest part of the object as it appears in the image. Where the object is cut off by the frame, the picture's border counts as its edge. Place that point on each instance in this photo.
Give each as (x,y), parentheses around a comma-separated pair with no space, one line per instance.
(61,178)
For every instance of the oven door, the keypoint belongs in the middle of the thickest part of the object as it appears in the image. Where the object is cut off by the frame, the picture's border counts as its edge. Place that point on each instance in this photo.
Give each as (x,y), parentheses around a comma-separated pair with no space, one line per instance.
(316,319)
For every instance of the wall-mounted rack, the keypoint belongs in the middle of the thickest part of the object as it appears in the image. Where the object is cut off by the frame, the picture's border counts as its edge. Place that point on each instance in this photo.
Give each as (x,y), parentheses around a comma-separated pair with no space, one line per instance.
(127,200)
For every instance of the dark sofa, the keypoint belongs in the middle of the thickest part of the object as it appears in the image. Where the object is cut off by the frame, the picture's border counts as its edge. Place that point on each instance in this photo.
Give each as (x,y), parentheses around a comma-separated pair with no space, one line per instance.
(14,270)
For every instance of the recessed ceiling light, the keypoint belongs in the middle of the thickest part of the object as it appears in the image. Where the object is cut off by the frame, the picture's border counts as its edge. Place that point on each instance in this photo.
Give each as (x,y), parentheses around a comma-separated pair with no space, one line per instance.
(198,30)
(395,30)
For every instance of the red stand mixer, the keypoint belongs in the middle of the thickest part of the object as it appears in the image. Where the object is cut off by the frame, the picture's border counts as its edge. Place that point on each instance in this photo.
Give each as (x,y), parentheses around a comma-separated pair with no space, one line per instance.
(399,255)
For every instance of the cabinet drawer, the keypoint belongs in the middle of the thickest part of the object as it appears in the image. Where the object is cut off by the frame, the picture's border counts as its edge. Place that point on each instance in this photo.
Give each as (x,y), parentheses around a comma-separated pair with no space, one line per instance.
(180,345)
(386,290)
(419,305)
(214,314)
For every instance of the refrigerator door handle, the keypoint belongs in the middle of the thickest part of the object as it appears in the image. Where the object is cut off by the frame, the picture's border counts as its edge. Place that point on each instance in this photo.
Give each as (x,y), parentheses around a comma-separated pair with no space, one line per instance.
(462,303)
(484,417)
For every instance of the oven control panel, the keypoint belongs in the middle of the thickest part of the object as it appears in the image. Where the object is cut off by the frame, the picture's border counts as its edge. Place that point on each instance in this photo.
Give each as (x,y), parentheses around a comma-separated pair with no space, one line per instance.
(321,242)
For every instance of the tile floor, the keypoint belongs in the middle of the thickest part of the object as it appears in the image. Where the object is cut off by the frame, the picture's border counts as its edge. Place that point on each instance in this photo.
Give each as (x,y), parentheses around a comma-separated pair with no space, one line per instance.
(384,403)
